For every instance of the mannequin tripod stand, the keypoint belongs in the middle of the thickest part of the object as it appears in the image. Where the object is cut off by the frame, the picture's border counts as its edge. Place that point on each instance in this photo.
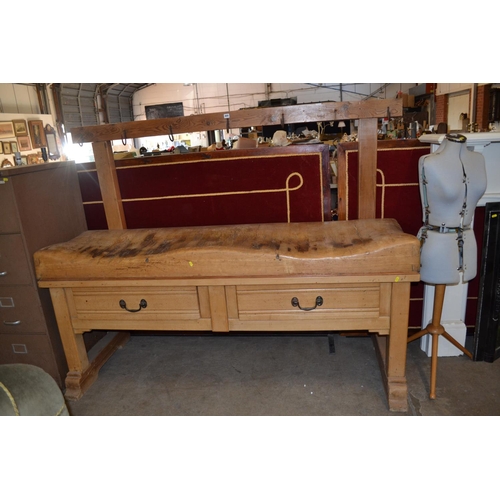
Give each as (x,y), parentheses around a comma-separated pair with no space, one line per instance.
(436,329)
(452,180)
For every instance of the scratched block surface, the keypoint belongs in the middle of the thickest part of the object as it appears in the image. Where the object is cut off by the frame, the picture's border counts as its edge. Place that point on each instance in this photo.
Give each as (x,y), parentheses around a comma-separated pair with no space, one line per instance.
(321,249)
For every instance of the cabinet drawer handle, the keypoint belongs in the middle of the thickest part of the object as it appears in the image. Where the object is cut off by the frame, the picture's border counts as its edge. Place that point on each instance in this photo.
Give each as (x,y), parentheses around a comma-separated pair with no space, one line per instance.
(3,273)
(142,305)
(319,302)
(12,323)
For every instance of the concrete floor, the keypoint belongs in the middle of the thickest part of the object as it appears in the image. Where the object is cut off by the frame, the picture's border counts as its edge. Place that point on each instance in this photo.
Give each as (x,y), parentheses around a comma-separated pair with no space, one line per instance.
(278,375)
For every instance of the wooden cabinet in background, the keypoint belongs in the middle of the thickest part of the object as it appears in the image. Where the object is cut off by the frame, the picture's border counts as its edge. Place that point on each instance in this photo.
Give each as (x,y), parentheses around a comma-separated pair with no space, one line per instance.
(39,205)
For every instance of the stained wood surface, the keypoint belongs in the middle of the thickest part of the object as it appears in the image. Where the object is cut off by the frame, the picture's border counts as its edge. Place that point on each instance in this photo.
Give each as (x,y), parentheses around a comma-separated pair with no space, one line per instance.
(360,247)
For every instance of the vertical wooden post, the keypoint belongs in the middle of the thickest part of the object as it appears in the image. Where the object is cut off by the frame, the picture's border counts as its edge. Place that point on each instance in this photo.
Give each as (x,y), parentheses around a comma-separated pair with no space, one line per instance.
(367,169)
(108,181)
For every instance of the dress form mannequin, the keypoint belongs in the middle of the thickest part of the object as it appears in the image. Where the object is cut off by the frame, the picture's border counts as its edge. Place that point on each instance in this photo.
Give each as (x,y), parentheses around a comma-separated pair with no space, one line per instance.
(452,180)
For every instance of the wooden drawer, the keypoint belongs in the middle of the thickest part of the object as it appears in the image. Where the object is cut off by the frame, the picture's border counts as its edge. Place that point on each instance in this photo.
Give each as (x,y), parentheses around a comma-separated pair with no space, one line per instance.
(31,349)
(345,305)
(20,310)
(163,307)
(9,222)
(14,266)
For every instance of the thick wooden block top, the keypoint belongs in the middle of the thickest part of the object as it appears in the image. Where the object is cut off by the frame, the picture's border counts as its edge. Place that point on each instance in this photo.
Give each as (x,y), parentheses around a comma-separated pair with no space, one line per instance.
(358,247)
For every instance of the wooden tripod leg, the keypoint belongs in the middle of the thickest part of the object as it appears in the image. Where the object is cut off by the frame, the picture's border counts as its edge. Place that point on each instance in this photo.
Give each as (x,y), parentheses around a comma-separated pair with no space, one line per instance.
(434,360)
(459,346)
(436,329)
(416,336)
(435,343)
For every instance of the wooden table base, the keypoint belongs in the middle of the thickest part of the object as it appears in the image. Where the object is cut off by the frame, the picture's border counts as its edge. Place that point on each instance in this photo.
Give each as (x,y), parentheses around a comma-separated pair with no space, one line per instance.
(379,308)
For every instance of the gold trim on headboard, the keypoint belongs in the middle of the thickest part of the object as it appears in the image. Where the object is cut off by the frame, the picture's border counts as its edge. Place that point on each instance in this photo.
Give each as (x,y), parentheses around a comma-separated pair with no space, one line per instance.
(287,189)
(201,160)
(383,184)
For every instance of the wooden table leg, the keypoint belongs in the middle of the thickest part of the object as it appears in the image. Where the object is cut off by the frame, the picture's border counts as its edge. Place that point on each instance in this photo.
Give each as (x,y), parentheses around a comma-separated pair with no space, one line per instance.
(73,345)
(392,349)
(397,390)
(82,370)
(78,383)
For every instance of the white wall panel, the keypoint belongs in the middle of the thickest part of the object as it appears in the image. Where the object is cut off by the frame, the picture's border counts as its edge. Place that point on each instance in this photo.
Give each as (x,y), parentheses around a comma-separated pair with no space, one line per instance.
(18,98)
(448,88)
(213,97)
(457,105)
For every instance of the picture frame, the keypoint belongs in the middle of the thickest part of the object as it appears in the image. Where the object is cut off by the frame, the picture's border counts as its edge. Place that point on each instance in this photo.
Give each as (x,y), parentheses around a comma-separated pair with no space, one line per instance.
(24,160)
(6,130)
(1,148)
(37,134)
(20,127)
(13,147)
(6,148)
(50,135)
(32,159)
(24,143)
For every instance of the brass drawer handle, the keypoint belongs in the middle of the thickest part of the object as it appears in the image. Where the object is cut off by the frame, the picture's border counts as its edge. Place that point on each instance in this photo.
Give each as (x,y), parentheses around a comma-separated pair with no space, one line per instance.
(142,305)
(319,302)
(12,323)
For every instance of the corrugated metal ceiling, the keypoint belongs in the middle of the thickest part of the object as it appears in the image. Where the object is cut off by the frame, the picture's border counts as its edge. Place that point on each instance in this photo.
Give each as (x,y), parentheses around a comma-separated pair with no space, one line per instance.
(118,100)
(79,103)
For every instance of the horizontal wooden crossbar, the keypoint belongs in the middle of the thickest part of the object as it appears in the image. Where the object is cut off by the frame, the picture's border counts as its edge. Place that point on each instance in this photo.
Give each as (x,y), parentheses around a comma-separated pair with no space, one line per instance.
(326,111)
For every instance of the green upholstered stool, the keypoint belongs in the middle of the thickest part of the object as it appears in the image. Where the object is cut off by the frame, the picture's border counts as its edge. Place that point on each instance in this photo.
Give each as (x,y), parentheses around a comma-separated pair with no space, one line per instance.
(27,390)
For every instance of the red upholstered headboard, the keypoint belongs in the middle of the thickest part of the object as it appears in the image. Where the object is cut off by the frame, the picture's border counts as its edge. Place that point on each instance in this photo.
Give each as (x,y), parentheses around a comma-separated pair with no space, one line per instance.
(397,187)
(289,184)
(397,194)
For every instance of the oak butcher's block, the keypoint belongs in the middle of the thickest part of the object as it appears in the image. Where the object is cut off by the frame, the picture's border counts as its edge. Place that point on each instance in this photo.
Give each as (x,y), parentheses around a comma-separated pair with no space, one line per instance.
(306,276)
(263,250)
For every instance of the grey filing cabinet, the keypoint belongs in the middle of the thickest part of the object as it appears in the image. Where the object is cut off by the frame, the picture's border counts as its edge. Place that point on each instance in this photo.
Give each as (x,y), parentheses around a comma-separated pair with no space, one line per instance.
(39,205)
